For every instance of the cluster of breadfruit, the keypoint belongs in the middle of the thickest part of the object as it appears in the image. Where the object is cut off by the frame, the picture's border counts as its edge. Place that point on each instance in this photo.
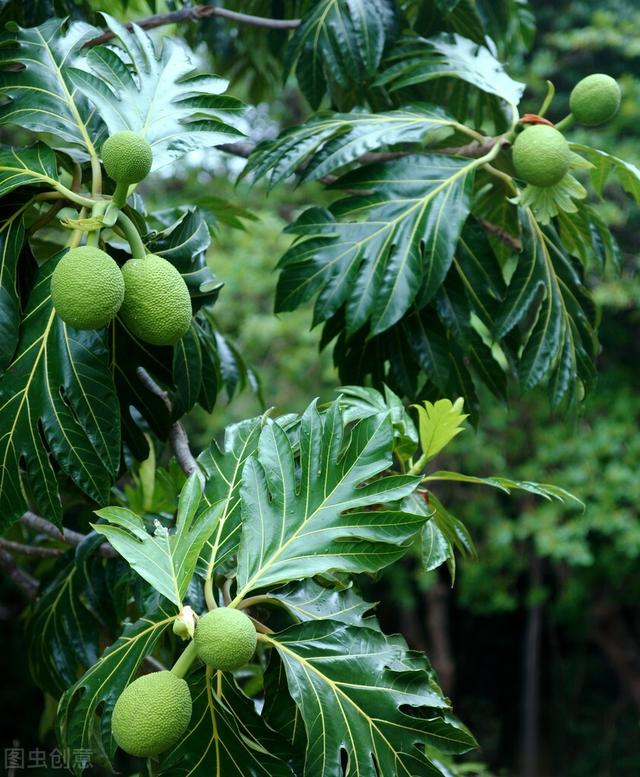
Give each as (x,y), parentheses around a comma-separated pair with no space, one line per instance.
(89,289)
(541,154)
(153,712)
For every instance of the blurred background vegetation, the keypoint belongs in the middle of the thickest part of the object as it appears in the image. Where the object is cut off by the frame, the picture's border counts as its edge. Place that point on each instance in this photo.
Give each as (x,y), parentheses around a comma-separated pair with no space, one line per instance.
(538,643)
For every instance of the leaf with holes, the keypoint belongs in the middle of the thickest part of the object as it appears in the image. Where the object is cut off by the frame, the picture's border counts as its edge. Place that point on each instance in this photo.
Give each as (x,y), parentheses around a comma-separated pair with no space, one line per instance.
(307,600)
(299,524)
(57,403)
(158,93)
(364,695)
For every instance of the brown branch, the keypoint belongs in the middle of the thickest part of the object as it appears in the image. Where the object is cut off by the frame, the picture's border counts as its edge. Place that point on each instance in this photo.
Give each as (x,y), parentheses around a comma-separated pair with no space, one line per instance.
(502,234)
(29,550)
(27,584)
(68,536)
(177,436)
(473,150)
(242,148)
(198,12)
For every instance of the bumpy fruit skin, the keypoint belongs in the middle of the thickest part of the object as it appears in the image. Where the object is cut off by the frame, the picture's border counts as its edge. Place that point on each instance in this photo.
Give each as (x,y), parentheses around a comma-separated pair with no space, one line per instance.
(127,157)
(87,288)
(151,714)
(225,639)
(541,155)
(157,305)
(595,99)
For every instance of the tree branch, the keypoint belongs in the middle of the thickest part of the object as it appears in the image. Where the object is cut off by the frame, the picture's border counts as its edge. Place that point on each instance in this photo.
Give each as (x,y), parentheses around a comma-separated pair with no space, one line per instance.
(68,536)
(502,234)
(177,436)
(29,550)
(197,13)
(473,150)
(27,584)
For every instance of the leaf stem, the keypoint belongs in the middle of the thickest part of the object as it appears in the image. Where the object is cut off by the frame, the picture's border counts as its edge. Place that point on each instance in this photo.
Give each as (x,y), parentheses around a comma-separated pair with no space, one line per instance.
(565,123)
(79,199)
(251,601)
(551,90)
(93,236)
(76,235)
(132,236)
(96,176)
(504,176)
(208,593)
(226,591)
(183,664)
(120,194)
(470,132)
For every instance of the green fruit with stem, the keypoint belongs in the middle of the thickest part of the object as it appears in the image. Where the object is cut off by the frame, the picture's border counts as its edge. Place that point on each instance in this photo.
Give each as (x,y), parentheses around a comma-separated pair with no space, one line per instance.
(87,288)
(152,714)
(541,155)
(595,99)
(225,639)
(127,157)
(157,304)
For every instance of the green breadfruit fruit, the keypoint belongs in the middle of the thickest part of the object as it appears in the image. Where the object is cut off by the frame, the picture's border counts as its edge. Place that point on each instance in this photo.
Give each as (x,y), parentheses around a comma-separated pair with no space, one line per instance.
(541,155)
(595,99)
(225,639)
(151,714)
(157,305)
(87,288)
(127,157)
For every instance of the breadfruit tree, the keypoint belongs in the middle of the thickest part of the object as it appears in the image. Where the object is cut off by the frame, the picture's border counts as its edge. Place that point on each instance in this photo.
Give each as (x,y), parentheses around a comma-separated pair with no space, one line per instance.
(206,614)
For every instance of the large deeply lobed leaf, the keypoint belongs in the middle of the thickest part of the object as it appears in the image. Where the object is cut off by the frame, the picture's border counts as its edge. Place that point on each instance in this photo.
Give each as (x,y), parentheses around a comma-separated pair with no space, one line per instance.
(57,400)
(365,695)
(299,525)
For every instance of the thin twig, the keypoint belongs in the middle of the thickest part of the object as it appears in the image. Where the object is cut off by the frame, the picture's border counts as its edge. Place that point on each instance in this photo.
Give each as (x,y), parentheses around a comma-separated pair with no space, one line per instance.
(197,13)
(68,536)
(27,584)
(502,234)
(177,436)
(242,148)
(29,550)
(473,150)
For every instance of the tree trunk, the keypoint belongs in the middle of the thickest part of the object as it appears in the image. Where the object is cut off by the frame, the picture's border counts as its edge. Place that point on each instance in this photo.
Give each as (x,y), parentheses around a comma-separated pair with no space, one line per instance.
(530,736)
(613,636)
(440,654)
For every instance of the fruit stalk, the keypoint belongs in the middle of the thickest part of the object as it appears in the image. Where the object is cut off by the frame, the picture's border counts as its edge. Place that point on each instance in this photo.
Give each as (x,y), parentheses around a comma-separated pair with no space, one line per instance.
(120,194)
(568,120)
(132,235)
(183,664)
(93,237)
